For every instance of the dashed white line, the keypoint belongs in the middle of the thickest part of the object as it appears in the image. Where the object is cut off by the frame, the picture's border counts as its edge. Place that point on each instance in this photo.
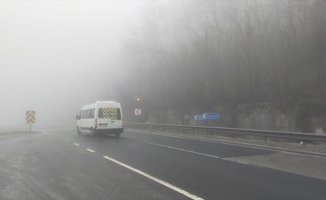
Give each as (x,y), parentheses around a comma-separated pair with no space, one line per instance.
(62,129)
(90,150)
(194,152)
(76,144)
(181,191)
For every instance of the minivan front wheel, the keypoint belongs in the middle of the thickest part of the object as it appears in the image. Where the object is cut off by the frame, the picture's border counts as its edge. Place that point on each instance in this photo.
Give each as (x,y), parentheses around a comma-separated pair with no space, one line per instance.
(93,133)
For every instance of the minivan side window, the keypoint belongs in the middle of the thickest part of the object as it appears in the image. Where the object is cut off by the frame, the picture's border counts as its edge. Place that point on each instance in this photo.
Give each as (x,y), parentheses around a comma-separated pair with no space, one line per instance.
(92,113)
(84,114)
(88,114)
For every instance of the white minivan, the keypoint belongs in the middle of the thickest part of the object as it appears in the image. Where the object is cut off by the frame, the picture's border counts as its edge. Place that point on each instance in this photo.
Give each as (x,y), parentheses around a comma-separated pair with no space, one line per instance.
(102,117)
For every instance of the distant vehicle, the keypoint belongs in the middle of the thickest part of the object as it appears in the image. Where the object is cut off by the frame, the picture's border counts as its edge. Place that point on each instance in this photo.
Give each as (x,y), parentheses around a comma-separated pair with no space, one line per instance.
(102,117)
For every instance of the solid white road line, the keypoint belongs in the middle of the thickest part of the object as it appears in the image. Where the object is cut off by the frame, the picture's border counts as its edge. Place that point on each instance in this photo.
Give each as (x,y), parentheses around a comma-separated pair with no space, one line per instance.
(45,131)
(61,129)
(41,131)
(194,152)
(76,144)
(253,146)
(90,150)
(181,191)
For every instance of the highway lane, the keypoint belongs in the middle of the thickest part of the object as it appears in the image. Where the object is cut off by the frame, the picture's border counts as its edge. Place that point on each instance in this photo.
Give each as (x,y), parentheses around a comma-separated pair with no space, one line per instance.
(60,164)
(46,166)
(206,176)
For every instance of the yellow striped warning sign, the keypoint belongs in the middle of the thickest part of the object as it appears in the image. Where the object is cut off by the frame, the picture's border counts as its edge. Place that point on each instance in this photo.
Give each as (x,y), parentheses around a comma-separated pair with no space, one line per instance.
(110,113)
(30,116)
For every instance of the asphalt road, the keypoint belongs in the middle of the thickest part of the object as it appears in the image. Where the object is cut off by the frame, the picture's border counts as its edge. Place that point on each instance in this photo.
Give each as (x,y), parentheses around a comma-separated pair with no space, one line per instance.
(59,164)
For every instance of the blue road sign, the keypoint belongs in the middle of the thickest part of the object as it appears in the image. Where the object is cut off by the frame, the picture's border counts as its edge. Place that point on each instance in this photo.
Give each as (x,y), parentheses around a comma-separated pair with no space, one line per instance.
(212,116)
(199,117)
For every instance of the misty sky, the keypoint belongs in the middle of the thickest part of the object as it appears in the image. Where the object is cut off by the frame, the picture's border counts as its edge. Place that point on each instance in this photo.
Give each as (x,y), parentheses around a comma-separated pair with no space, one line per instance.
(59,55)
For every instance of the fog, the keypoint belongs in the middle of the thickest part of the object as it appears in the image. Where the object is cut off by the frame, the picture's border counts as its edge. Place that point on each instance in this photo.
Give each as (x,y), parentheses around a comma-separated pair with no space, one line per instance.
(183,56)
(56,56)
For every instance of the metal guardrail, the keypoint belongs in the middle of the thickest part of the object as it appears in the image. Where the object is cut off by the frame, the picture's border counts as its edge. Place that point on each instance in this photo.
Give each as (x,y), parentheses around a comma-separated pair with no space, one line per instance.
(234,131)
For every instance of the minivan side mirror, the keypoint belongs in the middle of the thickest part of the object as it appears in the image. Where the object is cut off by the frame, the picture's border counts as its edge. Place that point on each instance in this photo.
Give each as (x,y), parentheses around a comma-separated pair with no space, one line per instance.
(77,117)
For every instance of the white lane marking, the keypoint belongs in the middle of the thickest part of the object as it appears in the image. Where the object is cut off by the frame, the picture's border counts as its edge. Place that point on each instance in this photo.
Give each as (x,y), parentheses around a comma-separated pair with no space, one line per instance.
(194,152)
(181,191)
(90,150)
(76,144)
(276,149)
(41,131)
(241,162)
(45,131)
(229,159)
(63,129)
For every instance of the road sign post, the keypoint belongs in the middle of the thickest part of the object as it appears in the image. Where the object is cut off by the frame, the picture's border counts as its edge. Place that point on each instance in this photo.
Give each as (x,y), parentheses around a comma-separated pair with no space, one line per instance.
(211,116)
(30,118)
(205,117)
(199,118)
